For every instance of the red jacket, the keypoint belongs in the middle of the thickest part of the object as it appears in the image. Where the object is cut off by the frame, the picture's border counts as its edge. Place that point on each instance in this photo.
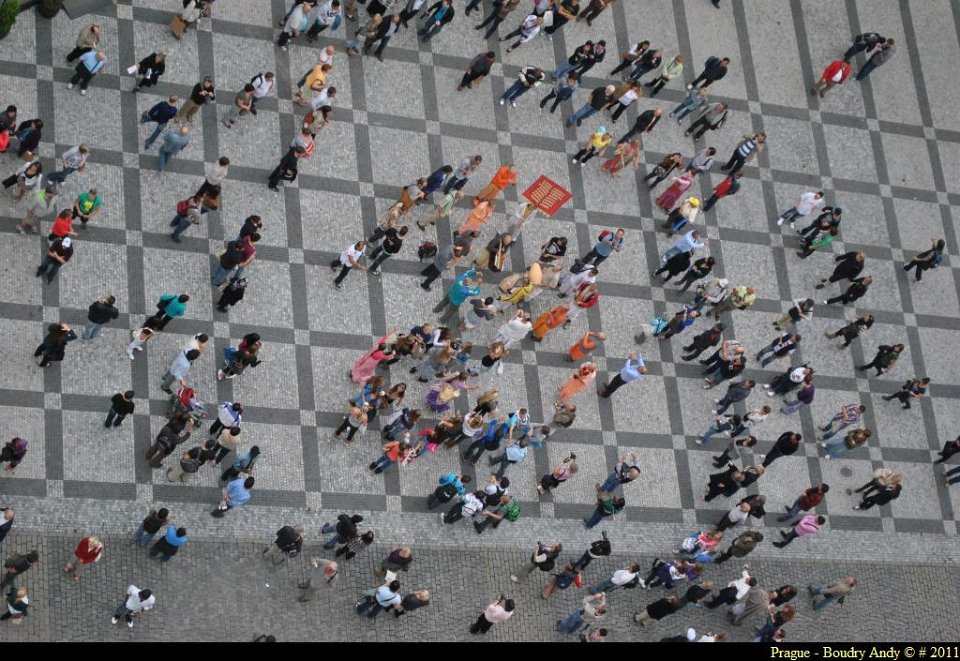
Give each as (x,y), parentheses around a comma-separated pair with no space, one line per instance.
(810,499)
(837,66)
(589,301)
(85,554)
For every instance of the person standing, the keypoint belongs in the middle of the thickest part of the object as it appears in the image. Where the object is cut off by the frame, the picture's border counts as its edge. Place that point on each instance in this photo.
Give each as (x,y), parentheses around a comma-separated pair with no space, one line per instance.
(633,370)
(54,344)
(137,603)
(178,370)
(726,188)
(287,169)
(121,405)
(669,71)
(170,306)
(856,290)
(800,310)
(59,253)
(601,98)
(607,243)
(529,78)
(477,69)
(499,611)
(392,242)
(438,15)
(787,444)
(202,93)
(87,40)
(851,331)
(101,312)
(839,591)
(594,608)
(850,414)
(781,347)
(705,340)
(295,22)
(835,74)
(913,389)
(714,69)
(806,204)
(91,63)
(236,494)
(882,53)
(161,114)
(643,125)
(740,298)
(950,448)
(746,151)
(89,550)
(383,34)
(710,118)
(447,257)
(74,160)
(867,41)
(505,176)
(741,547)
(736,392)
(807,501)
(595,146)
(7,514)
(168,545)
(804,397)
(173,144)
(840,447)
(884,361)
(288,544)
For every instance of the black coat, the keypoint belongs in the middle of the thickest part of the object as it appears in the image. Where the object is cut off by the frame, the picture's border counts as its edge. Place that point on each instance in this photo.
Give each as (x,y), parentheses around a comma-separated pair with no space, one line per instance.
(661,608)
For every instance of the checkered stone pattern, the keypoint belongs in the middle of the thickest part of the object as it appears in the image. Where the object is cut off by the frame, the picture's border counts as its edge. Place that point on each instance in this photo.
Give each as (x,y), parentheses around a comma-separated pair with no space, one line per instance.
(887,151)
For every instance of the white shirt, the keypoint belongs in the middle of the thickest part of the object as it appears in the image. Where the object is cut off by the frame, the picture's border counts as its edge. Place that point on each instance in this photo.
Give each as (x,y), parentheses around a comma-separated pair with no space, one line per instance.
(328,13)
(261,86)
(323,57)
(387,597)
(737,515)
(193,343)
(741,585)
(72,158)
(133,600)
(348,252)
(797,374)
(837,76)
(622,576)
(629,97)
(808,202)
(516,329)
(320,100)
(216,173)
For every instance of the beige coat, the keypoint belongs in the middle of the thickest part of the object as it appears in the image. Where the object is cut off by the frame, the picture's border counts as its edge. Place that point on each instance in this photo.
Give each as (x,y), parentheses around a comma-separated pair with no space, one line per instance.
(87,38)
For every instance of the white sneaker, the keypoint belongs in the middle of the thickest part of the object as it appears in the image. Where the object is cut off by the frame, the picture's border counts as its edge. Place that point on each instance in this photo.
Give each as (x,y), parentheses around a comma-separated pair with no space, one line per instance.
(114,620)
(502,102)
(130,353)
(69,86)
(513,104)
(84,93)
(779,221)
(130,624)
(220,375)
(514,579)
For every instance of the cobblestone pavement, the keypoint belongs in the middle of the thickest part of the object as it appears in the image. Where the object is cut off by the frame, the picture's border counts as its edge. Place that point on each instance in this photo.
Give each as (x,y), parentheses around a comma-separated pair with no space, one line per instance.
(887,151)
(222,590)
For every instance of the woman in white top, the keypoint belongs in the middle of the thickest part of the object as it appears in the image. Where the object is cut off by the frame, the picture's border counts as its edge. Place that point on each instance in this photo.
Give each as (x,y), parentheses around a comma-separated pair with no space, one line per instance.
(514,330)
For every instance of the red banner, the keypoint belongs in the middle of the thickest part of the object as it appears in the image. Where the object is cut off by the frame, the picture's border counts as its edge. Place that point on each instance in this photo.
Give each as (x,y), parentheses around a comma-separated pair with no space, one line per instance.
(547,195)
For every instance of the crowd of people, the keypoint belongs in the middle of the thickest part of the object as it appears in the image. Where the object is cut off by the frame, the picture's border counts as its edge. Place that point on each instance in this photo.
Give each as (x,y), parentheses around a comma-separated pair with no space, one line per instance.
(436,352)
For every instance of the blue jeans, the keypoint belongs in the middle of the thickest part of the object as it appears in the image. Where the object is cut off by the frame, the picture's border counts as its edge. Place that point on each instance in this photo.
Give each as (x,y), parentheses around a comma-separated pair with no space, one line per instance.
(91,330)
(581,114)
(724,403)
(837,448)
(153,136)
(594,518)
(333,541)
(612,482)
(562,70)
(793,407)
(817,591)
(671,252)
(603,586)
(514,91)
(866,70)
(383,463)
(767,349)
(572,624)
(183,223)
(792,512)
(219,275)
(61,176)
(164,157)
(716,429)
(829,430)
(142,537)
(683,109)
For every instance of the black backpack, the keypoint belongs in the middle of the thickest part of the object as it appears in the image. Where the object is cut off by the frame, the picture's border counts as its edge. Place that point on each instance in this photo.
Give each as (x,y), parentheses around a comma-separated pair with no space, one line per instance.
(427,250)
(446,492)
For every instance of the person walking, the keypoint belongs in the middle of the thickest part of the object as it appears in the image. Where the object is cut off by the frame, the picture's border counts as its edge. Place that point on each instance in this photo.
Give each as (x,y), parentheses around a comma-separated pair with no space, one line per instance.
(882,53)
(841,446)
(169,307)
(287,169)
(74,160)
(500,610)
(727,188)
(595,146)
(710,118)
(89,550)
(915,389)
(867,41)
(643,125)
(447,257)
(236,494)
(505,176)
(322,575)
(59,253)
(594,609)
(91,63)
(705,340)
(781,347)
(786,444)
(121,405)
(714,69)
(349,258)
(741,547)
(799,311)
(296,22)
(736,392)
(885,486)
(746,151)
(804,397)
(633,370)
(884,361)
(392,243)
(137,603)
(851,331)
(835,74)
(806,204)
(345,529)
(173,144)
(160,113)
(178,370)
(837,592)
(950,448)
(17,565)
(54,344)
(192,460)
(807,501)
(383,34)
(607,505)
(807,525)
(150,69)
(150,526)
(928,259)
(167,546)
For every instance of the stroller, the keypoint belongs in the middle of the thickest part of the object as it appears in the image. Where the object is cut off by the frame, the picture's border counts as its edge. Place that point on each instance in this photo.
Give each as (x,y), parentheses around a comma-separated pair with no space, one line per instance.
(186,401)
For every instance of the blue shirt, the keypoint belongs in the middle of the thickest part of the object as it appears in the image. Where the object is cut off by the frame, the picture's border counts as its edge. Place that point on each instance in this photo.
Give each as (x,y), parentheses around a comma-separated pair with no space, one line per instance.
(172,305)
(605,248)
(162,113)
(89,60)
(174,142)
(435,180)
(172,538)
(237,494)
(515,453)
(631,370)
(520,427)
(244,461)
(460,292)
(451,478)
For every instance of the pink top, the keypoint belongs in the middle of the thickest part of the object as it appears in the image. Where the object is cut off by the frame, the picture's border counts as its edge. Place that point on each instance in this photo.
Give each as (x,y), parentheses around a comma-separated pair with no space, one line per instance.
(807,525)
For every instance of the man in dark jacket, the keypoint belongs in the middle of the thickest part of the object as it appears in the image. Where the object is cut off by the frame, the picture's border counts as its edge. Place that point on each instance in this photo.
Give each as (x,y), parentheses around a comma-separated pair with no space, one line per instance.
(346,529)
(601,98)
(741,546)
(705,340)
(598,549)
(29,135)
(287,169)
(714,70)
(885,359)
(161,113)
(849,265)
(121,405)
(101,312)
(288,544)
(863,42)
(787,444)
(478,68)
(383,34)
(644,124)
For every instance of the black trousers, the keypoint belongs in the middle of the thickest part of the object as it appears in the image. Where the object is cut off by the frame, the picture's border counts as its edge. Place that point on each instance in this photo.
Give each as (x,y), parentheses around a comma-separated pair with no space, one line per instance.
(735,164)
(82,76)
(77,52)
(703,124)
(614,385)
(431,273)
(482,625)
(556,102)
(657,84)
(697,347)
(904,396)
(469,77)
(727,595)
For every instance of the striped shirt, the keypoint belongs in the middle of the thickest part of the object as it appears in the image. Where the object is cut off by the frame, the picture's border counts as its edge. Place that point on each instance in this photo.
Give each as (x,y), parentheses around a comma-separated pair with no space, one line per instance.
(747,147)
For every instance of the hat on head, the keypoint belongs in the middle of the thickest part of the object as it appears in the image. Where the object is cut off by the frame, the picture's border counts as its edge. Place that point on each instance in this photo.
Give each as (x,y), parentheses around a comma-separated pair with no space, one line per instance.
(694,202)
(67,242)
(602,129)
